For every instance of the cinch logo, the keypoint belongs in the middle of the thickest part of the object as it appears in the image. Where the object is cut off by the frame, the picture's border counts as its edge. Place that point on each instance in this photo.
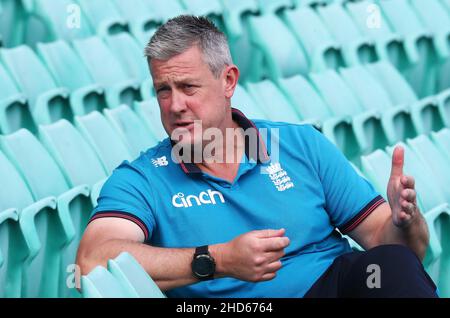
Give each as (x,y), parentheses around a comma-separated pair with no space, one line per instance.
(205,197)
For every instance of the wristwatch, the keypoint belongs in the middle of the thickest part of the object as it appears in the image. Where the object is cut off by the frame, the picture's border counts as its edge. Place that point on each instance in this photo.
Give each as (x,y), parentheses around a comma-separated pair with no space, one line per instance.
(203,264)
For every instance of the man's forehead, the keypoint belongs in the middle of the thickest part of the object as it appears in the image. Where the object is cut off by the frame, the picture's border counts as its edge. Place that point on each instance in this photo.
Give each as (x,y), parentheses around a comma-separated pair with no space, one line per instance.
(174,78)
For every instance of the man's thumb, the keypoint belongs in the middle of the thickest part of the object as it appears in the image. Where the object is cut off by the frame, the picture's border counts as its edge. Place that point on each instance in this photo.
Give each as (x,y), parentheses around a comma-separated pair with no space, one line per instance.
(398,157)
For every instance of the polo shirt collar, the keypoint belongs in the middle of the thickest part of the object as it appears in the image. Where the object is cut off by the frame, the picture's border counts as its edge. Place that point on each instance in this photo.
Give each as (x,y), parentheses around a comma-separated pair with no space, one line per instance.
(245,123)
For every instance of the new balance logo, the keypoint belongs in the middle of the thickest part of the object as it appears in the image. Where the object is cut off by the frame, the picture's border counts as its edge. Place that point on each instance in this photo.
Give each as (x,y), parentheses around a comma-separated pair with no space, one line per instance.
(160,162)
(179,200)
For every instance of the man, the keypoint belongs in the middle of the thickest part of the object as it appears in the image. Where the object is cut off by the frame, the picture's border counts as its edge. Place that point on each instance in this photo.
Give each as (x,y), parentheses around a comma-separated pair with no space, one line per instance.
(256,225)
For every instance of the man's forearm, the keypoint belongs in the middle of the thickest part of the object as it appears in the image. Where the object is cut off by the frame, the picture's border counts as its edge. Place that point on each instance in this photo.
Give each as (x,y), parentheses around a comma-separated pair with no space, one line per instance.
(169,267)
(415,235)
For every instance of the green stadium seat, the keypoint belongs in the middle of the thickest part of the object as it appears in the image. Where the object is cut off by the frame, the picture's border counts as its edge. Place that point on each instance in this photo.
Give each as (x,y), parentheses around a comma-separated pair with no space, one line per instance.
(388,45)
(141,20)
(433,16)
(75,157)
(107,71)
(130,55)
(14,110)
(166,9)
(436,19)
(307,100)
(282,54)
(12,23)
(274,6)
(421,71)
(430,155)
(149,112)
(321,48)
(356,47)
(42,235)
(272,102)
(48,102)
(442,140)
(133,278)
(103,16)
(100,283)
(55,15)
(427,113)
(446,4)
(131,129)
(396,120)
(351,136)
(8,219)
(44,178)
(103,139)
(212,9)
(69,71)
(245,103)
(233,14)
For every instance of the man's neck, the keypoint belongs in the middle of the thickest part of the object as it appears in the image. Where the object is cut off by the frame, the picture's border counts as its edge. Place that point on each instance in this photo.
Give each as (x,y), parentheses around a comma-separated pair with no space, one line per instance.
(231,152)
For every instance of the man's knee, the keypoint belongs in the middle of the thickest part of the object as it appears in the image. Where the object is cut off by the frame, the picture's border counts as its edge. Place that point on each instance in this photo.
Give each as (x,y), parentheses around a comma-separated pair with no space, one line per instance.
(390,271)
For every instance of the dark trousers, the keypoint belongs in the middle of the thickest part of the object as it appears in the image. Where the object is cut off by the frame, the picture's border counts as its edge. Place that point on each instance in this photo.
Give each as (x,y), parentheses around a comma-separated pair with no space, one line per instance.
(385,271)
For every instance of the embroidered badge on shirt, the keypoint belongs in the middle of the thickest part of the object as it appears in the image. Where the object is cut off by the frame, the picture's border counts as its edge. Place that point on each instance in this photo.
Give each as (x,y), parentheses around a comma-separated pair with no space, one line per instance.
(279,177)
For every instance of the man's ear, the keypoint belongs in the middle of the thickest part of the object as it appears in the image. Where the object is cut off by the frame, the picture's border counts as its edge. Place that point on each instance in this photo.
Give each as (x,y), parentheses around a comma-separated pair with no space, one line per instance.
(231,80)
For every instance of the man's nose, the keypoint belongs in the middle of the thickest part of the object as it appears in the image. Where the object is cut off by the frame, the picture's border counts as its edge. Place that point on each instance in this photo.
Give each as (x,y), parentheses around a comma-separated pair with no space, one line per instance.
(178,103)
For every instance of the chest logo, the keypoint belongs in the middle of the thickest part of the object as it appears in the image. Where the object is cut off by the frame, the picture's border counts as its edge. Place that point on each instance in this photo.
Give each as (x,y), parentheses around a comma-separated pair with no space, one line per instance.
(179,200)
(279,177)
(160,162)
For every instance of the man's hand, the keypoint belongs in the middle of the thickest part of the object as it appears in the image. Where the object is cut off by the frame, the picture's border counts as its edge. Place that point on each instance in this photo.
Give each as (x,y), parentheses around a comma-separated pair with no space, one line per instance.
(401,192)
(254,256)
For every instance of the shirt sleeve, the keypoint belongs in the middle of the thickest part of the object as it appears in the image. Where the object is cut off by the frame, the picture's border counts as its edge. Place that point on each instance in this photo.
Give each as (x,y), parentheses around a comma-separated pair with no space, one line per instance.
(127,194)
(349,197)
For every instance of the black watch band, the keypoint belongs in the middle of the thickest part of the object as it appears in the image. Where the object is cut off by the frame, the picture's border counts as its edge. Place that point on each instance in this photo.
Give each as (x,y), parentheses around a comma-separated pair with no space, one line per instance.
(203,264)
(201,250)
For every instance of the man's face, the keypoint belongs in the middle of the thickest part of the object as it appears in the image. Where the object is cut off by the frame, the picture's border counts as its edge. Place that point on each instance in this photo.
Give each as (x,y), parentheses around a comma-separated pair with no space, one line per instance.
(188,91)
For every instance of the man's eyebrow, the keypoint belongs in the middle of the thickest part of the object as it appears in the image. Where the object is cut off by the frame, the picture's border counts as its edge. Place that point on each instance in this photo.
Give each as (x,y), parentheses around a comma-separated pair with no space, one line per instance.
(178,81)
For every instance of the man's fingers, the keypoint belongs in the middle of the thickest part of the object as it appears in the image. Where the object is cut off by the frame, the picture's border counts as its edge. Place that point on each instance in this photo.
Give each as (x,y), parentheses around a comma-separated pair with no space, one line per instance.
(275,244)
(397,161)
(274,256)
(407,207)
(407,182)
(409,195)
(273,267)
(270,233)
(268,276)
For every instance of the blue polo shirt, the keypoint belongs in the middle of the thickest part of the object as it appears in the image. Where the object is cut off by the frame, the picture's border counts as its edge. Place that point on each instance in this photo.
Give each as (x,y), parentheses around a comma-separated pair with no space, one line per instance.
(310,189)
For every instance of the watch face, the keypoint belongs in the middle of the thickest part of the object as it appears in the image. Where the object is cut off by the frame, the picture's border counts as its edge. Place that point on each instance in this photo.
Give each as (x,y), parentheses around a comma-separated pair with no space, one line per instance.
(203,266)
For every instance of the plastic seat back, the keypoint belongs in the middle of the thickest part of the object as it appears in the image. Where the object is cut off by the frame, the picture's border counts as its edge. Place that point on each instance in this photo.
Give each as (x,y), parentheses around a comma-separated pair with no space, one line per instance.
(131,129)
(75,157)
(21,62)
(133,277)
(272,101)
(104,17)
(103,139)
(308,101)
(100,283)
(336,93)
(129,53)
(99,60)
(149,112)
(65,66)
(244,102)
(39,169)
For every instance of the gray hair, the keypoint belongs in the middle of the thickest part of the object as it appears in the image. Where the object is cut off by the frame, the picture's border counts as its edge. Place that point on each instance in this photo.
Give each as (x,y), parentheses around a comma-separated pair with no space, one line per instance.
(183,32)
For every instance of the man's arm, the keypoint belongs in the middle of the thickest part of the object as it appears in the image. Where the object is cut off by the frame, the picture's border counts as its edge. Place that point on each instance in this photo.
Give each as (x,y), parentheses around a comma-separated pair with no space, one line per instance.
(400,221)
(253,256)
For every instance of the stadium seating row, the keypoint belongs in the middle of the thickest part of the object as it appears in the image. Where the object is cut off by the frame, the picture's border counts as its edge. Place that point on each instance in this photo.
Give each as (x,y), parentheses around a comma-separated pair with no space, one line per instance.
(300,39)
